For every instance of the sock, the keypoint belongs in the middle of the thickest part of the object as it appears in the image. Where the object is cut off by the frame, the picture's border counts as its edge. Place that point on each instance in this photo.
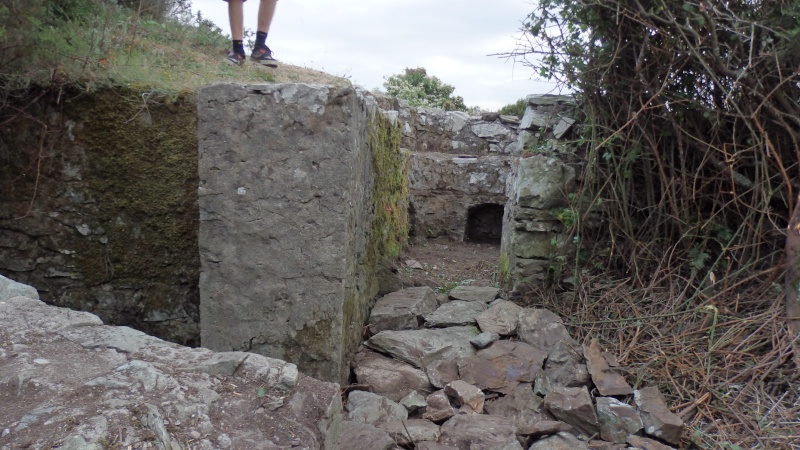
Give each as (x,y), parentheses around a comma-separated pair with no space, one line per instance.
(238,47)
(261,39)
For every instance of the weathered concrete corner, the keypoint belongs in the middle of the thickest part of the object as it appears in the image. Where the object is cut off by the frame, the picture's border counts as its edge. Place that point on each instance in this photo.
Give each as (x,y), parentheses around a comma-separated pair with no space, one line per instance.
(285,207)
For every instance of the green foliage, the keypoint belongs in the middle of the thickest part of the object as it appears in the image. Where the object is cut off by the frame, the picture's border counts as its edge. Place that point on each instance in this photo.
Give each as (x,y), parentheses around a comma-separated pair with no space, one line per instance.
(515,109)
(92,44)
(421,89)
(390,191)
(687,125)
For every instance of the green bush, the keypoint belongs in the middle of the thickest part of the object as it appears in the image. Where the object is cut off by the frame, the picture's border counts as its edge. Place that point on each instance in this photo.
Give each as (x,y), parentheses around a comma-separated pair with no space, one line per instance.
(421,89)
(515,109)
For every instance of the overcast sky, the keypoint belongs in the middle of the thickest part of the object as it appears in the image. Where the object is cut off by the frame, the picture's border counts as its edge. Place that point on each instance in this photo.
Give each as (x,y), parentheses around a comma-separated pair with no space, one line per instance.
(368,40)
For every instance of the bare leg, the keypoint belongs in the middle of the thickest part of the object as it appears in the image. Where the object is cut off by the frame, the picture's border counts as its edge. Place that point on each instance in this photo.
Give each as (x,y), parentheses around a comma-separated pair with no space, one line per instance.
(236,16)
(266,9)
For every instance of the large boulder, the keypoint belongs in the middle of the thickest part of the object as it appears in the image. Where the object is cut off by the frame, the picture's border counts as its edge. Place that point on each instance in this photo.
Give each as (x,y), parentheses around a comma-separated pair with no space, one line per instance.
(68,380)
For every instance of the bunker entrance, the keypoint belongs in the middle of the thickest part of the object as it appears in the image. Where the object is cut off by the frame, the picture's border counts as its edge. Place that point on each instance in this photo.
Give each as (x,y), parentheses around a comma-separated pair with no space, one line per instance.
(484,223)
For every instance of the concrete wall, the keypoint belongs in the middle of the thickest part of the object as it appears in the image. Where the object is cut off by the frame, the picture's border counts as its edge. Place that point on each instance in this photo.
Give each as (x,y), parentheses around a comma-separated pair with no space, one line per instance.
(285,214)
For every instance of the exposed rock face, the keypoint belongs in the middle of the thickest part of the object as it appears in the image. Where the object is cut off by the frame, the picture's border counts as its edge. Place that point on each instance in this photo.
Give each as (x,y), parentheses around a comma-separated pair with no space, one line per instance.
(285,212)
(68,380)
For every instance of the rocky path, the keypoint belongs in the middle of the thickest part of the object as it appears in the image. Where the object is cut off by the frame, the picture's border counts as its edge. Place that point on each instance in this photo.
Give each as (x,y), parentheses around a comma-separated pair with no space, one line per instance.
(471,371)
(444,263)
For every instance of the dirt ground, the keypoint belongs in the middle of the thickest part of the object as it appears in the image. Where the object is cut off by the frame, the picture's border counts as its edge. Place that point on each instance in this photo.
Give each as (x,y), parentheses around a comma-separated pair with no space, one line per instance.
(444,263)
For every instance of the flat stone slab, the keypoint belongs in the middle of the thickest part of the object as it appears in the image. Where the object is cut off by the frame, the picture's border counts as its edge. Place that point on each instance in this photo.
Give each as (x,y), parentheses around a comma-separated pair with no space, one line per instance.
(480,431)
(362,436)
(421,347)
(455,313)
(405,432)
(389,377)
(523,406)
(474,293)
(372,409)
(542,329)
(502,366)
(402,310)
(560,441)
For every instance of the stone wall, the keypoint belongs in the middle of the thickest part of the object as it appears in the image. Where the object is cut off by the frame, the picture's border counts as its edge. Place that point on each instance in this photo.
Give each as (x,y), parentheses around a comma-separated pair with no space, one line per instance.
(534,245)
(285,212)
(458,163)
(98,208)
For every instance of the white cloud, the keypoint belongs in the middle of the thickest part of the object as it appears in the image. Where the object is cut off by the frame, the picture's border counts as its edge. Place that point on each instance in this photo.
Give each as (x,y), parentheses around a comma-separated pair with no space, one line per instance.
(369,40)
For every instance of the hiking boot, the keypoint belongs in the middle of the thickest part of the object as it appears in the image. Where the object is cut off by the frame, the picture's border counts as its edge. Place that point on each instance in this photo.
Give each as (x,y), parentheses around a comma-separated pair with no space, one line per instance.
(235,59)
(263,56)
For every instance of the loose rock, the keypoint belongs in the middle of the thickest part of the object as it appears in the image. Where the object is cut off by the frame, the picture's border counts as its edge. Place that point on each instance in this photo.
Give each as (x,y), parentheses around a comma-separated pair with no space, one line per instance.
(474,293)
(484,340)
(617,419)
(606,381)
(501,318)
(455,313)
(658,420)
(405,432)
(480,432)
(523,406)
(373,409)
(439,408)
(542,329)
(565,367)
(402,310)
(420,347)
(573,406)
(362,436)
(468,398)
(560,441)
(502,366)
(388,377)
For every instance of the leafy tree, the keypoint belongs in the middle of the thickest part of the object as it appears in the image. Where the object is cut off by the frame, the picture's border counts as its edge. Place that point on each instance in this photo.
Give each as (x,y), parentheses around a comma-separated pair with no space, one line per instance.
(421,89)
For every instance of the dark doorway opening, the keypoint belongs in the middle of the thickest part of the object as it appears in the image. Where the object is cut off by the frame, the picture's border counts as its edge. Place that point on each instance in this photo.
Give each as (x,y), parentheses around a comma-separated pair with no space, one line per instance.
(484,223)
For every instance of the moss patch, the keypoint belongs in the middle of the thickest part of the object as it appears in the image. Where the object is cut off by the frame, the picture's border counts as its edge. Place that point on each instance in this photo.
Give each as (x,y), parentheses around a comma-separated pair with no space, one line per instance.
(142,180)
(390,192)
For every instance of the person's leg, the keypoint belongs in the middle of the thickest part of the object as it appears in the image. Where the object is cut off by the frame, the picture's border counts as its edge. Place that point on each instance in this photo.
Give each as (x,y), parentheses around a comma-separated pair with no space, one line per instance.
(236,18)
(266,10)
(261,53)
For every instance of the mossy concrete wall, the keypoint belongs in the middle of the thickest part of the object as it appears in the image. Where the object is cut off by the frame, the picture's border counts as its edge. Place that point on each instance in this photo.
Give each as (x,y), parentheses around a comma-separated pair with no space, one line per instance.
(302,193)
(98,208)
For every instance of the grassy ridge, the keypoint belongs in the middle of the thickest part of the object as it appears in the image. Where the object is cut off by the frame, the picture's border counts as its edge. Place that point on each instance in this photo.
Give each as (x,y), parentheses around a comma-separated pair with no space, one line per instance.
(93,44)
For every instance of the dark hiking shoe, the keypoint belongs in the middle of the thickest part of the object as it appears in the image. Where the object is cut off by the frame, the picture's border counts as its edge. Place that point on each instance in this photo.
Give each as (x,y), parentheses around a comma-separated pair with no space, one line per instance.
(263,56)
(235,59)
